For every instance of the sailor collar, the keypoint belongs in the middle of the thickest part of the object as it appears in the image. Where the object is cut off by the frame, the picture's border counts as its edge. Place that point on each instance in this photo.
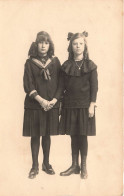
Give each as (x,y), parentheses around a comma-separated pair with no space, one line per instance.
(44,67)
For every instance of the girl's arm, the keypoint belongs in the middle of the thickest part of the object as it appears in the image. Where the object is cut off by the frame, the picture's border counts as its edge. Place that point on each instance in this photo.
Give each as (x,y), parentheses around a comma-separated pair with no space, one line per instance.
(29,86)
(42,102)
(28,80)
(94,89)
(93,85)
(61,85)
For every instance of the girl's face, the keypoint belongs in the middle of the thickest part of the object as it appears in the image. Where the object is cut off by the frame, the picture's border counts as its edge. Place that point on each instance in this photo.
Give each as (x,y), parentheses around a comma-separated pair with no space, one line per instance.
(78,46)
(43,47)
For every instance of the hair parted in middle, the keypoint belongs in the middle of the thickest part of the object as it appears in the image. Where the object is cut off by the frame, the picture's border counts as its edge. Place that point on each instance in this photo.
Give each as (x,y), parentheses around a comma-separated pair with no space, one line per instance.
(41,36)
(71,38)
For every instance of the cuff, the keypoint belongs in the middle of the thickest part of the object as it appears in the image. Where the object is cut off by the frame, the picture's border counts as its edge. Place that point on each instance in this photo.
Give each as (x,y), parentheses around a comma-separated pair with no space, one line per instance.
(33,94)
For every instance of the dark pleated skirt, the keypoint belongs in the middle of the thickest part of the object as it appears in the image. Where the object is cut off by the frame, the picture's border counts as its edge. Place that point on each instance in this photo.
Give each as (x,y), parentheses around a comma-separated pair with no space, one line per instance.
(41,123)
(76,121)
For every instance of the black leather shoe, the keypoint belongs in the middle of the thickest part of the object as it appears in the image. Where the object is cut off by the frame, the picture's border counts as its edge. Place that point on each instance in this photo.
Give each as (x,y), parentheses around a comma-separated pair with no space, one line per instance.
(33,172)
(71,170)
(48,170)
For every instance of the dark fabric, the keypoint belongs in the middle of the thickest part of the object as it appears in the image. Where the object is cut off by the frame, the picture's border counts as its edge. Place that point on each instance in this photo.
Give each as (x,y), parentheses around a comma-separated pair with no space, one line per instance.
(74,145)
(44,71)
(83,145)
(80,87)
(79,143)
(76,121)
(35,144)
(79,64)
(75,150)
(46,89)
(70,68)
(33,95)
(41,123)
(46,142)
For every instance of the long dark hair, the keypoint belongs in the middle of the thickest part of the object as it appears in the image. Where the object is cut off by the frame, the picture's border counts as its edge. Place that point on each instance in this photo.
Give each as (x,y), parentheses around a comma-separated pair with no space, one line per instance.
(41,36)
(85,53)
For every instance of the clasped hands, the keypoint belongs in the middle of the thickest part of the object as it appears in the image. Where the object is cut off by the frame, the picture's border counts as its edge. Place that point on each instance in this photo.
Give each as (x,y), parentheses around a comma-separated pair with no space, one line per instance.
(47,105)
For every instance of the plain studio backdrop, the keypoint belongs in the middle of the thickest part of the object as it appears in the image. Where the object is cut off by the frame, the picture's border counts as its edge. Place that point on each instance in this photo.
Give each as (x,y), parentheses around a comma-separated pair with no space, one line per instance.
(20,21)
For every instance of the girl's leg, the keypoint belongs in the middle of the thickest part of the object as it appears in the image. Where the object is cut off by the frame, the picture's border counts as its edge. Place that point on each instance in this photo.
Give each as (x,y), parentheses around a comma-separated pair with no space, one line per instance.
(46,142)
(74,169)
(75,150)
(83,143)
(35,143)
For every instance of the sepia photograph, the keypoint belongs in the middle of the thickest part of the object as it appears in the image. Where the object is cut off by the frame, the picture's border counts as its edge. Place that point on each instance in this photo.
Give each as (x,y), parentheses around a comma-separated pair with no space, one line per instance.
(61,98)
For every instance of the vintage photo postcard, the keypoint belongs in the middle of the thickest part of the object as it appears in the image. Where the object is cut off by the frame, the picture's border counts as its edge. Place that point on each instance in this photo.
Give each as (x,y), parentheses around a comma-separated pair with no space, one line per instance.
(61,130)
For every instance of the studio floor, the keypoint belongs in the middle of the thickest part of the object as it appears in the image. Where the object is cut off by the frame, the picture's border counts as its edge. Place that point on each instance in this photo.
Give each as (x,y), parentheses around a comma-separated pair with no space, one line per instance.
(16,163)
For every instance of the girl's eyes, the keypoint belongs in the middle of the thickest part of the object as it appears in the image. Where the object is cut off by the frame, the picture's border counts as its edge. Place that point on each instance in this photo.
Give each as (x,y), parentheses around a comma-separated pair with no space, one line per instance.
(44,43)
(77,43)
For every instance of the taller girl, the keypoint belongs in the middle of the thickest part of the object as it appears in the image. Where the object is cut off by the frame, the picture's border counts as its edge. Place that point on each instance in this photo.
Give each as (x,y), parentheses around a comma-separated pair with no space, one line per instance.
(41,77)
(80,83)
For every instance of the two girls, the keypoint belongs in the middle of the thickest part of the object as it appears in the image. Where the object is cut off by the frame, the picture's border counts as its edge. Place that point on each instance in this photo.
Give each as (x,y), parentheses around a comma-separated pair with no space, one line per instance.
(44,83)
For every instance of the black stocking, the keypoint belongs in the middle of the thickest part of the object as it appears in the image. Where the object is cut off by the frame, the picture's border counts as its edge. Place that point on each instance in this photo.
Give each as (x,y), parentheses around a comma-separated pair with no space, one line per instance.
(83,144)
(83,150)
(35,143)
(75,149)
(46,141)
(74,144)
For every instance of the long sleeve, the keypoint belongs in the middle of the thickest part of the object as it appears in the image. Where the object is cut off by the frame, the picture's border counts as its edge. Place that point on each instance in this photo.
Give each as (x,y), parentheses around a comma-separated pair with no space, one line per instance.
(93,85)
(28,81)
(61,86)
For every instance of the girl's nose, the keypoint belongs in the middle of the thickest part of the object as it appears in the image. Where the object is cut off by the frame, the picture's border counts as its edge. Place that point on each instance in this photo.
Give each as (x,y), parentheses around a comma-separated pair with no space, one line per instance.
(43,45)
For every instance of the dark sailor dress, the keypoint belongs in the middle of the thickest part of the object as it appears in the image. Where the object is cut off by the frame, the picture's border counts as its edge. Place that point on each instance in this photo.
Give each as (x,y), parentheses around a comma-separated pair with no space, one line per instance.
(38,122)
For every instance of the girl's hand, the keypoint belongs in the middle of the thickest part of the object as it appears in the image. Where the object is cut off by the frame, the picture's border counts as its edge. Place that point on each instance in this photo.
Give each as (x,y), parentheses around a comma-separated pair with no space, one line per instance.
(51,103)
(44,104)
(91,109)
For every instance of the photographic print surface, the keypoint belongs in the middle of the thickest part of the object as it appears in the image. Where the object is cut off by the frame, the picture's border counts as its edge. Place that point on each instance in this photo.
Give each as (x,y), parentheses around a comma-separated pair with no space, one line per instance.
(20,22)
